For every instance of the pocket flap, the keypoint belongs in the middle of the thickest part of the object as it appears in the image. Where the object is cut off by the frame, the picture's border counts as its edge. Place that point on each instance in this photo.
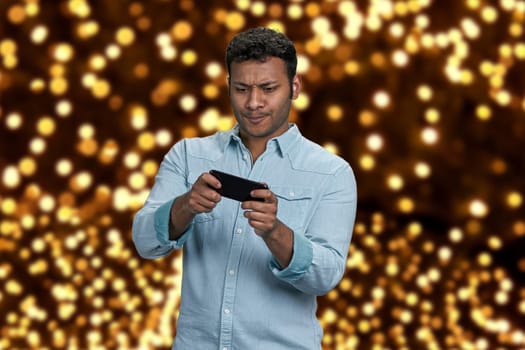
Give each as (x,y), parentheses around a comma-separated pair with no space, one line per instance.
(292,193)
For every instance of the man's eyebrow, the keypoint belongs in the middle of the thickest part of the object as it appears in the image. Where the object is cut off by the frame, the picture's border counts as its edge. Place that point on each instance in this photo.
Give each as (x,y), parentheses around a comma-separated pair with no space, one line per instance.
(266,83)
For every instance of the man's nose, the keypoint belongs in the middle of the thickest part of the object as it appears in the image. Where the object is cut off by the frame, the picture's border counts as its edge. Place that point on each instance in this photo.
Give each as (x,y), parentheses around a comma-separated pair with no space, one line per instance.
(255,99)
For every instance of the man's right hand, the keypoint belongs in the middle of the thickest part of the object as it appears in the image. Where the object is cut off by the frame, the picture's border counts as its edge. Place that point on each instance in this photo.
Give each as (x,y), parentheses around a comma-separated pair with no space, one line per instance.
(202,197)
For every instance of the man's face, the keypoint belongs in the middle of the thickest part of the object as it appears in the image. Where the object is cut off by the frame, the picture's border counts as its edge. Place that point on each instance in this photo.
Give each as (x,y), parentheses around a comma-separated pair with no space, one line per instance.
(260,97)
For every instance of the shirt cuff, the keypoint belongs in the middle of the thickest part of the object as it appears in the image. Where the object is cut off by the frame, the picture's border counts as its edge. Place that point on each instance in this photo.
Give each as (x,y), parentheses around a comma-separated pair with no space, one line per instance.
(162,226)
(301,260)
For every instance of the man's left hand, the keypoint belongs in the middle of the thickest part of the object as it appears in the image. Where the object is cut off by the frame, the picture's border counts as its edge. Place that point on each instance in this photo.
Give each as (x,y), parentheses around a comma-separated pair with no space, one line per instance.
(262,216)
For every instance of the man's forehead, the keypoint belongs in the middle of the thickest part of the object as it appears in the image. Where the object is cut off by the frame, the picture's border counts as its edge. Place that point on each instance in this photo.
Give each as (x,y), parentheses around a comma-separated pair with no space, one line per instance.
(257,72)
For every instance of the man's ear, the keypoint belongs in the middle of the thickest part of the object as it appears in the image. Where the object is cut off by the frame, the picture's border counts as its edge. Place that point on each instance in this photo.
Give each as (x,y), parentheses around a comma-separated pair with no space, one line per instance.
(296,86)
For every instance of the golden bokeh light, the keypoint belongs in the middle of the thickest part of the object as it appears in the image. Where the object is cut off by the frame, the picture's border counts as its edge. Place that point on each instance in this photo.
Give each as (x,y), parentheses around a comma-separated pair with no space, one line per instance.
(425,99)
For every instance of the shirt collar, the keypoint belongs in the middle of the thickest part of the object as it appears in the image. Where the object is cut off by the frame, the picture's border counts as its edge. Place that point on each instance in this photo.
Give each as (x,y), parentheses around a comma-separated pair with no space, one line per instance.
(284,142)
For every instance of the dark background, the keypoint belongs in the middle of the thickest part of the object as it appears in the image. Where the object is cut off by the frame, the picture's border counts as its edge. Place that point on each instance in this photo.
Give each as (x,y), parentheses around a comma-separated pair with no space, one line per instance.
(436,258)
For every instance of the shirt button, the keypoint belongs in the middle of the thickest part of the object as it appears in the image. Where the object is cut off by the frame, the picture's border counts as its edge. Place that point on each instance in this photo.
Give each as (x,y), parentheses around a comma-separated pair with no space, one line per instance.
(292,194)
(224,348)
(226,311)
(231,272)
(239,230)
(244,157)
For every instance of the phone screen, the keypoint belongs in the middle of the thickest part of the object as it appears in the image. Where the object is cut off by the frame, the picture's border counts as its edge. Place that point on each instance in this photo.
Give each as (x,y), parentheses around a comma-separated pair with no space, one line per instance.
(236,187)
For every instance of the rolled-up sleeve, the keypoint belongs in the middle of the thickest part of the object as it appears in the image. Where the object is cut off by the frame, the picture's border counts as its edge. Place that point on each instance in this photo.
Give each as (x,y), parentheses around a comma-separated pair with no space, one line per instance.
(301,260)
(319,256)
(162,226)
(150,230)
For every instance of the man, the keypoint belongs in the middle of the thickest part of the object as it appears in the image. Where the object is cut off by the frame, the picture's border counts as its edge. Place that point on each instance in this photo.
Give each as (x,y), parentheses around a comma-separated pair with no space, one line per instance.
(252,270)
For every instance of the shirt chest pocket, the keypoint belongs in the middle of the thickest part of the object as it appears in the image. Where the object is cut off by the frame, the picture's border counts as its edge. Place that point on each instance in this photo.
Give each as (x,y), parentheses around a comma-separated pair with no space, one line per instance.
(293,204)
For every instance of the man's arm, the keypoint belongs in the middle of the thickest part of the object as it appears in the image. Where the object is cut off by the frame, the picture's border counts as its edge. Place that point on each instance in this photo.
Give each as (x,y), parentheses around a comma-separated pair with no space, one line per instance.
(262,216)
(313,261)
(200,199)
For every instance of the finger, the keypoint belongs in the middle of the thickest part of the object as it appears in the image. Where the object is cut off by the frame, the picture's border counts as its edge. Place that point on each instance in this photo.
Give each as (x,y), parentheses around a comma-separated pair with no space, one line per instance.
(206,186)
(203,206)
(260,224)
(259,217)
(204,201)
(252,215)
(211,195)
(264,194)
(260,207)
(211,180)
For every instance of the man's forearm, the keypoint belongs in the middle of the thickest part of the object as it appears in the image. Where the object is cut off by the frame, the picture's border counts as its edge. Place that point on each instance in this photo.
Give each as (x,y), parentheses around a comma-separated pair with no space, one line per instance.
(180,217)
(280,243)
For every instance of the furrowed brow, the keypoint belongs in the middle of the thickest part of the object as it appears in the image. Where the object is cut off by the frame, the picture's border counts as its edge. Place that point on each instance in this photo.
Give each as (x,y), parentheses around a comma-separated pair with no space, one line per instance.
(264,84)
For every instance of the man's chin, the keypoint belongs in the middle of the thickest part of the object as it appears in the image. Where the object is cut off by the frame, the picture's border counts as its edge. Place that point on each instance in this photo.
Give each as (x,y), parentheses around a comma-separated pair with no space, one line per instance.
(255,132)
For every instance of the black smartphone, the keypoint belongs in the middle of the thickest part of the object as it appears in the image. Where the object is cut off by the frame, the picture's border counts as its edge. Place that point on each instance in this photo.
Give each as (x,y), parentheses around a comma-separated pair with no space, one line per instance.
(236,187)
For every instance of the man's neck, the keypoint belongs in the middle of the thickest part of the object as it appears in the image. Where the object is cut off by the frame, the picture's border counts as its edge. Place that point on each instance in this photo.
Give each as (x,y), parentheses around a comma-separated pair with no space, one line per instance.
(255,146)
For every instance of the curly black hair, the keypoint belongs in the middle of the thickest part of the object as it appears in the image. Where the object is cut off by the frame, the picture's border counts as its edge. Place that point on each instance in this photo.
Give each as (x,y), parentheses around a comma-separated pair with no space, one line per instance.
(259,44)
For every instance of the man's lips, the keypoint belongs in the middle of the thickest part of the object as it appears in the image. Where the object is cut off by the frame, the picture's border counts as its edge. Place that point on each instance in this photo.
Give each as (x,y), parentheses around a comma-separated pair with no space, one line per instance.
(255,119)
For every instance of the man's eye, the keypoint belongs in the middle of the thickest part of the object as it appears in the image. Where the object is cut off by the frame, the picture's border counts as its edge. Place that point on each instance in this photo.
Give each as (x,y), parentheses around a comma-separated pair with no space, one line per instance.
(241,89)
(269,88)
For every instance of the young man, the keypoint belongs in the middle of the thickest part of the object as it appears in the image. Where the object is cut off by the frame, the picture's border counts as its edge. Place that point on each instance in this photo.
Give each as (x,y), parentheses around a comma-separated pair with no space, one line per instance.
(252,270)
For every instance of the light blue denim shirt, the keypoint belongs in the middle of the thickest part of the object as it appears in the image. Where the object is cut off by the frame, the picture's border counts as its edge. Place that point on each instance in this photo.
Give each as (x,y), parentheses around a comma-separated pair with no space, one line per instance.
(235,296)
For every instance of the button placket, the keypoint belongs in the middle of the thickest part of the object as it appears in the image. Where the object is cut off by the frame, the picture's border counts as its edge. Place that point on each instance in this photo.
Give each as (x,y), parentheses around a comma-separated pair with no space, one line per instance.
(230,287)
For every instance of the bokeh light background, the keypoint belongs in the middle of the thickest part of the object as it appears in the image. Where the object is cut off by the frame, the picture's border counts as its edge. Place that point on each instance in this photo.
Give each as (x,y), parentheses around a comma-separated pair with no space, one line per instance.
(426,100)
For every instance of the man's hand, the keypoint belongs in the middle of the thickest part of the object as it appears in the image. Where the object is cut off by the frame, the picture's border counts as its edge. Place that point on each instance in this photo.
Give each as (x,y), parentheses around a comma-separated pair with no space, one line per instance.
(262,216)
(202,198)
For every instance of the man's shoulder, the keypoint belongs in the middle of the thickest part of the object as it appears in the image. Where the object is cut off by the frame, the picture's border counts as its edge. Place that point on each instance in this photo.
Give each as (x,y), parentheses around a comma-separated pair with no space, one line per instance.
(310,156)
(211,146)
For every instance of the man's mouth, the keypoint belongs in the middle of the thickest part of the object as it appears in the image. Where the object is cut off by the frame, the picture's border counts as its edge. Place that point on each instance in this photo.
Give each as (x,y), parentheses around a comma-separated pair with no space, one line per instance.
(255,119)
